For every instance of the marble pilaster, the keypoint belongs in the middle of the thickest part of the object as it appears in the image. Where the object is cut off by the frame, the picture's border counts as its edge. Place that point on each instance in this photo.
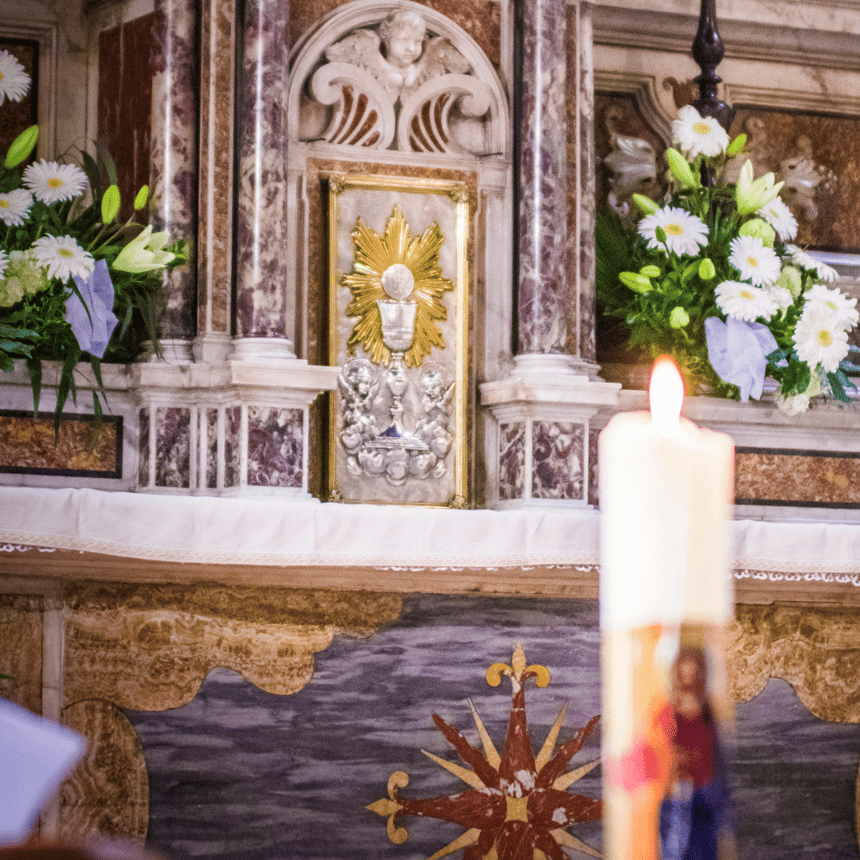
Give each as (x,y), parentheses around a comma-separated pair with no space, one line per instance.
(215,222)
(543,179)
(173,202)
(261,258)
(537,441)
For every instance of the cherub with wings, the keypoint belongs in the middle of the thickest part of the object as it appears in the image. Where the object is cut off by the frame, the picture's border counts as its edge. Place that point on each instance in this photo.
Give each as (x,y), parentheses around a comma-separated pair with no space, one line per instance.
(399,55)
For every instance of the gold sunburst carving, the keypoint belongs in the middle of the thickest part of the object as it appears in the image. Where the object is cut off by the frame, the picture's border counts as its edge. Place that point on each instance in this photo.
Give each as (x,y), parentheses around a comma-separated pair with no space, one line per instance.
(374,256)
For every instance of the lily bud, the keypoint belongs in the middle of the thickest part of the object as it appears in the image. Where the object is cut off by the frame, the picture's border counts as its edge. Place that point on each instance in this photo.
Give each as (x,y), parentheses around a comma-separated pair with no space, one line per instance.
(707,270)
(736,145)
(141,197)
(22,146)
(680,168)
(761,229)
(645,204)
(110,204)
(679,317)
(650,271)
(636,282)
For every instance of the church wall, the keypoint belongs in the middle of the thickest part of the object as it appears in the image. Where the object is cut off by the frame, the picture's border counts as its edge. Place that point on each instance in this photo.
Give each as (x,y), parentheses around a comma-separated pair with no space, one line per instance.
(230,721)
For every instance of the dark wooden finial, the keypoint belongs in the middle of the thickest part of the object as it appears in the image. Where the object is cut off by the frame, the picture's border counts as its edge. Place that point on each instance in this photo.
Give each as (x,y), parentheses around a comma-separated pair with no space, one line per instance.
(708,52)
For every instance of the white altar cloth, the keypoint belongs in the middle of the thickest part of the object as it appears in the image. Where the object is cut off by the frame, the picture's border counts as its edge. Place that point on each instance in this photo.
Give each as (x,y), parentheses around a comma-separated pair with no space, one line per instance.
(278,532)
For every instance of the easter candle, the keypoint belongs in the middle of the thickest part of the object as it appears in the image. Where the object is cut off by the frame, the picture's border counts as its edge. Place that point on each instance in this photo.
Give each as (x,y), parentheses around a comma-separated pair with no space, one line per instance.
(665,488)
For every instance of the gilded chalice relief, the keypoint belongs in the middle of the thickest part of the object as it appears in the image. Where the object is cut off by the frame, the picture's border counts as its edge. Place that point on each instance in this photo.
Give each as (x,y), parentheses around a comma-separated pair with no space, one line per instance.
(398,300)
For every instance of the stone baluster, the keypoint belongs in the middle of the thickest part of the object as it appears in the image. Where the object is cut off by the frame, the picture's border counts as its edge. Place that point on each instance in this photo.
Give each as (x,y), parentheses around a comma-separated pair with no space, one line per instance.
(261,254)
(173,203)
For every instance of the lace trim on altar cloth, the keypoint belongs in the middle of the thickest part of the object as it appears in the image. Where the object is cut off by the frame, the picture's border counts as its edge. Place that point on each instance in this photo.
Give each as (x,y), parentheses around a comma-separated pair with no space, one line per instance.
(829,578)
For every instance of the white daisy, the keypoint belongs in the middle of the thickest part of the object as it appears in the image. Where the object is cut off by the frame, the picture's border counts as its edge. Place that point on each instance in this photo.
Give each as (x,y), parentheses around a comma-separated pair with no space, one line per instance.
(52,182)
(779,216)
(744,302)
(685,233)
(697,134)
(63,257)
(15,206)
(836,302)
(807,261)
(3,262)
(819,340)
(756,263)
(14,81)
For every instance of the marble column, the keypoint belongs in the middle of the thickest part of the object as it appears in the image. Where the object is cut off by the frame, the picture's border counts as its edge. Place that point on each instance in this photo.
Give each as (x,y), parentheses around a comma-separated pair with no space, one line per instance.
(261,254)
(215,230)
(173,201)
(582,194)
(543,172)
(539,442)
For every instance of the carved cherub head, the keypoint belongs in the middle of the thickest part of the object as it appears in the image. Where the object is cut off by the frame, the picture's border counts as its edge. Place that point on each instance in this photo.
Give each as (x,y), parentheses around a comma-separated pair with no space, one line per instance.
(402,34)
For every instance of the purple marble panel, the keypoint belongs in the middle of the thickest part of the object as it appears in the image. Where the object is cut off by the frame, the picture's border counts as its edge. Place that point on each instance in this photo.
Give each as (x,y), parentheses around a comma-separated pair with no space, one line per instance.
(261,257)
(275,447)
(211,448)
(172,446)
(558,457)
(232,445)
(543,179)
(512,460)
(173,201)
(143,464)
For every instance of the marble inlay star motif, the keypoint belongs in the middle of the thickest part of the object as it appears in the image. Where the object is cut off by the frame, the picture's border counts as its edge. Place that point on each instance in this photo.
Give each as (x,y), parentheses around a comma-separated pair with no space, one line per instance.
(516,806)
(399,267)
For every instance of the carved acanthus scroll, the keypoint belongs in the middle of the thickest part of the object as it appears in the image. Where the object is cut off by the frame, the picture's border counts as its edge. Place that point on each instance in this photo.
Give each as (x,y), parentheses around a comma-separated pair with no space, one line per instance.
(396,86)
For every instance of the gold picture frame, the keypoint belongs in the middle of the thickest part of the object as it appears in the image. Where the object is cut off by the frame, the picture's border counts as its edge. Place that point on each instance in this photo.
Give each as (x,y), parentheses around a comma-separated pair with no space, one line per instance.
(398,330)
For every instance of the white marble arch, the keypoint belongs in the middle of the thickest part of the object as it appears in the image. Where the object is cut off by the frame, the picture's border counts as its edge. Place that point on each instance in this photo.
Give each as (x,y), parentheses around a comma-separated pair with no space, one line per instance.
(488,157)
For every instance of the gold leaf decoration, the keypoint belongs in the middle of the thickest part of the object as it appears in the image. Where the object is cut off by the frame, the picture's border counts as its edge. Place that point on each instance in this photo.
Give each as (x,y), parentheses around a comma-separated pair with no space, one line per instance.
(374,255)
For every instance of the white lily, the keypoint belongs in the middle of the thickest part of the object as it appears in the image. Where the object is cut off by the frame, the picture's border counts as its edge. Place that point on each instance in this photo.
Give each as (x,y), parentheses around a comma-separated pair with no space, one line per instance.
(144,253)
(753,194)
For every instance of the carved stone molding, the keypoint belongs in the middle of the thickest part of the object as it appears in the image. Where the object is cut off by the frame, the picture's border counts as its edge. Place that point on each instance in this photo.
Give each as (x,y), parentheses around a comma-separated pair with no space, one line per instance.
(150,647)
(815,649)
(350,88)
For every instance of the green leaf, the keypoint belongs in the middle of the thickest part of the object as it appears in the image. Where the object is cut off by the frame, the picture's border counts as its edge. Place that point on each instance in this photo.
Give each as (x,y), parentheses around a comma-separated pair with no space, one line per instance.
(34,370)
(107,161)
(92,171)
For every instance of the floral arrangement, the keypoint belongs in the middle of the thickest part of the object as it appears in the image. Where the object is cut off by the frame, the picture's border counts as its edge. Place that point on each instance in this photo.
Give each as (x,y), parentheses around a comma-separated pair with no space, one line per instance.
(711,278)
(74,284)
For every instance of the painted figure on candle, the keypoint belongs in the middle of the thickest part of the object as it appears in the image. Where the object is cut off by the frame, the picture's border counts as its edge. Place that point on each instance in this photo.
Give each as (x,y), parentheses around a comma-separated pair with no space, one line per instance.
(675,770)
(695,806)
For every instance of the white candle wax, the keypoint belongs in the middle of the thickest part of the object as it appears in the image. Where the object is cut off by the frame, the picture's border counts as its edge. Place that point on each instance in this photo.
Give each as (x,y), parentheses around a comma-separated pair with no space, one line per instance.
(665,503)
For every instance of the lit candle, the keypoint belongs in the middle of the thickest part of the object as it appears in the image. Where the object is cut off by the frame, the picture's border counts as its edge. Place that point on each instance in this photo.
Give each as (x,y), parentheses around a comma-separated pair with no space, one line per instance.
(665,488)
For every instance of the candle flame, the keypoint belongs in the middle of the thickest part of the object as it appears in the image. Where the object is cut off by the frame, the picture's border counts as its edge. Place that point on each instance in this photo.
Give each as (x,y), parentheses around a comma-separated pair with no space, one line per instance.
(666,395)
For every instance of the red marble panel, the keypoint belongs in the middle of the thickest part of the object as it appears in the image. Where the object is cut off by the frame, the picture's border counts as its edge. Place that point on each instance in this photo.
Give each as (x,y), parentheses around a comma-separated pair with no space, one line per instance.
(125,103)
(780,139)
(82,447)
(804,478)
